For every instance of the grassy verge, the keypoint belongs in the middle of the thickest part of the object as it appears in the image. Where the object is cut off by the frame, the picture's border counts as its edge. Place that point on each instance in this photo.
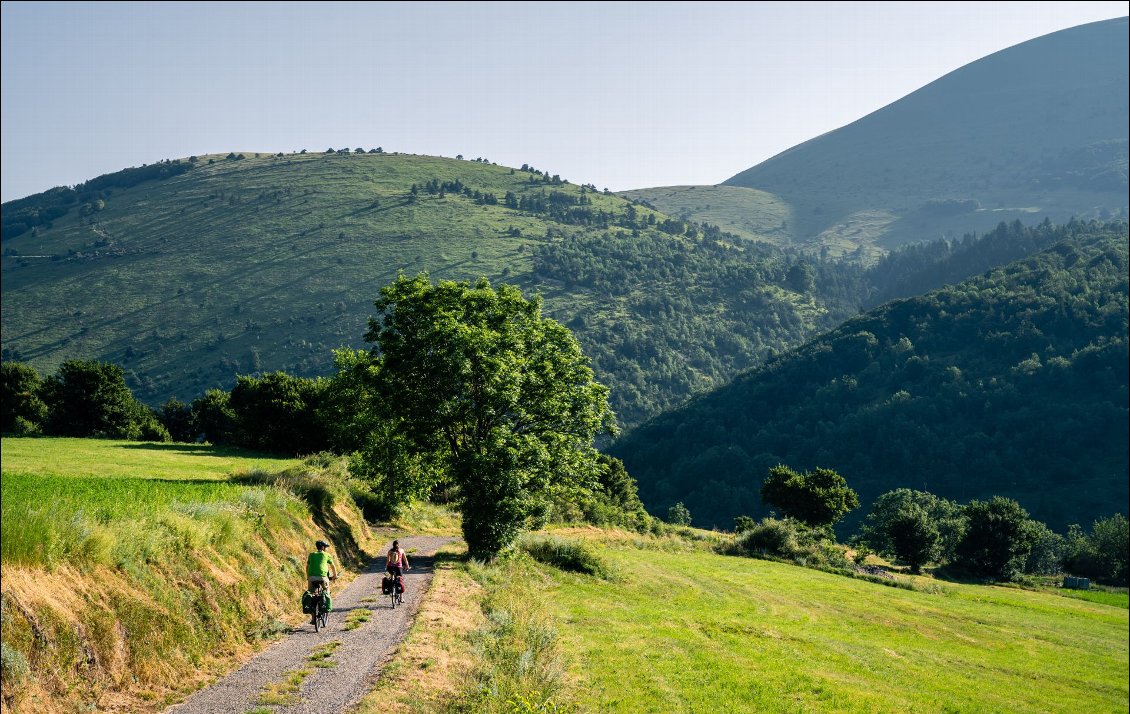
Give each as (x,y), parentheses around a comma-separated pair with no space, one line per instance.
(437,657)
(483,641)
(126,591)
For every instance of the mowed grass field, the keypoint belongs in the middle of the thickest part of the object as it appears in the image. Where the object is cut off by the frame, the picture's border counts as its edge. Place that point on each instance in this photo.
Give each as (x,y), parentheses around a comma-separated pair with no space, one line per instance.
(112,459)
(697,632)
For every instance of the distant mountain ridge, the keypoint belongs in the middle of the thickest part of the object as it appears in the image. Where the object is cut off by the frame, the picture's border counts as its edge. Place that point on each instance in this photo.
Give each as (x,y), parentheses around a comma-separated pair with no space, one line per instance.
(1035,131)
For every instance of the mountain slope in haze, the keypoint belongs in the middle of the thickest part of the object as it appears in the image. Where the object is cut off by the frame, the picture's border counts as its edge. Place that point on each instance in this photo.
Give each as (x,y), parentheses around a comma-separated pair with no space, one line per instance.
(1033,131)
(746,212)
(245,265)
(1012,384)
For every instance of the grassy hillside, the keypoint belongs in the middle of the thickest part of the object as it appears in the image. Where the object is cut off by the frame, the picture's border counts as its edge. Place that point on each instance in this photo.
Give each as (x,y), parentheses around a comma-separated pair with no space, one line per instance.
(736,635)
(1037,130)
(269,262)
(1013,383)
(680,629)
(746,212)
(135,572)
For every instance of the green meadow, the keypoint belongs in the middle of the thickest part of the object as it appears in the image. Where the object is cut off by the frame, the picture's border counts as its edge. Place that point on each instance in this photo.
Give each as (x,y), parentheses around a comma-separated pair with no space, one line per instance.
(106,458)
(75,500)
(698,632)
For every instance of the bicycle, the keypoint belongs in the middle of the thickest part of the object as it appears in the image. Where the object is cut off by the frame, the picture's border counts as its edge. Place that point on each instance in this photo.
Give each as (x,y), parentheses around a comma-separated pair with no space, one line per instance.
(396,591)
(319,615)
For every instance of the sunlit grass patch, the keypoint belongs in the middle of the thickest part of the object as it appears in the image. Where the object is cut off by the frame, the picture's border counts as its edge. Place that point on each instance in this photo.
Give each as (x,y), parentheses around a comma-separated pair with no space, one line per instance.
(107,458)
(778,637)
(357,618)
(320,657)
(284,693)
(567,554)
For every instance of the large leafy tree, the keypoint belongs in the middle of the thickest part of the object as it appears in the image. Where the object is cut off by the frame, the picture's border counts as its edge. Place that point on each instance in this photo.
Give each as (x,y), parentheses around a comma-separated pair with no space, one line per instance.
(87,398)
(381,455)
(278,412)
(997,540)
(818,498)
(502,395)
(23,411)
(945,516)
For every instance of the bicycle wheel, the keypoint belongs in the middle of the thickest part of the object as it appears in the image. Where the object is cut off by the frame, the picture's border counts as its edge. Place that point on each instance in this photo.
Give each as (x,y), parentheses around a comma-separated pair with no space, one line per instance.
(323,616)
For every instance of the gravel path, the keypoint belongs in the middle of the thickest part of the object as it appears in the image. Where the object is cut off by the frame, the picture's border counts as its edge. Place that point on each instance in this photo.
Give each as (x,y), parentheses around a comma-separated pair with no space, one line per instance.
(359,657)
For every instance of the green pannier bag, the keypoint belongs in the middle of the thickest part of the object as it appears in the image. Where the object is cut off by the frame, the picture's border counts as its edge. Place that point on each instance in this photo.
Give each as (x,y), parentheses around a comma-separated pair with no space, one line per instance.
(307,603)
(328,602)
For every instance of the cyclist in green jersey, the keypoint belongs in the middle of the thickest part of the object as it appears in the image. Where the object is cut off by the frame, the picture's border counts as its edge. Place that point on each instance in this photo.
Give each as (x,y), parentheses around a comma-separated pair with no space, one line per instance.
(320,567)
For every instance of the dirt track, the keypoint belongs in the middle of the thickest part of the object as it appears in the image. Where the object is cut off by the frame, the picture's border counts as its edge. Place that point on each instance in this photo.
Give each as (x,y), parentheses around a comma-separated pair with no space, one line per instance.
(359,657)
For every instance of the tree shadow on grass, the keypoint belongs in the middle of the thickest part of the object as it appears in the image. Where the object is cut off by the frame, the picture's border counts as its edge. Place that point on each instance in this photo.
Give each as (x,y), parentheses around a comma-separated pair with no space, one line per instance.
(200,450)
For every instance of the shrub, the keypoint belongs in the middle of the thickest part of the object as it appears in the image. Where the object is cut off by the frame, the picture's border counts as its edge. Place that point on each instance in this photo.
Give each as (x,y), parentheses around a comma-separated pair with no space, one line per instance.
(679,515)
(770,537)
(572,555)
(819,497)
(1102,555)
(998,539)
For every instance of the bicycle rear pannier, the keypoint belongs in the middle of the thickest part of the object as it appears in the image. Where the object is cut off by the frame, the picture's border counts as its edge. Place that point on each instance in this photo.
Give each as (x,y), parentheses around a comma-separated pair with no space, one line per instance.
(386,585)
(400,585)
(307,603)
(327,602)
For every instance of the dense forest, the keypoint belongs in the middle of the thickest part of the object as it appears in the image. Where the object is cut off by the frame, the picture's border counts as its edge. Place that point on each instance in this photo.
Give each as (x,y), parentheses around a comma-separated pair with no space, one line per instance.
(679,316)
(1013,383)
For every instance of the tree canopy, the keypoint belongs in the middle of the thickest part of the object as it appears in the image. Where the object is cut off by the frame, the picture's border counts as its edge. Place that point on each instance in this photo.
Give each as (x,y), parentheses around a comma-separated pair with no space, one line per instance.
(818,498)
(500,394)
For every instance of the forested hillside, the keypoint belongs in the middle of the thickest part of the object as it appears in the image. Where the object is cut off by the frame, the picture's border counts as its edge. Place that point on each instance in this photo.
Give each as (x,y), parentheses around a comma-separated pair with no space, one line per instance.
(1013,383)
(190,272)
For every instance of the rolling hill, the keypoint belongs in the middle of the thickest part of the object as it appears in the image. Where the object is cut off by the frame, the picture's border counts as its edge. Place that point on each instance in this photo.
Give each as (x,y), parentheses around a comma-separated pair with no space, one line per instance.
(189,272)
(1013,383)
(1035,131)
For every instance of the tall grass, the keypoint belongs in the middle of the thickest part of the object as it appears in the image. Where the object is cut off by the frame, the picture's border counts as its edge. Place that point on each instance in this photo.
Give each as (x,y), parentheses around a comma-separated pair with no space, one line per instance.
(47,521)
(568,554)
(126,589)
(518,657)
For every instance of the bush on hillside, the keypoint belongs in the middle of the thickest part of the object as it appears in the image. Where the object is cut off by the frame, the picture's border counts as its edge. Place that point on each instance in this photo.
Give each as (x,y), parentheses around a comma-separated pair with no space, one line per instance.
(998,539)
(820,497)
(1102,554)
(573,555)
(22,410)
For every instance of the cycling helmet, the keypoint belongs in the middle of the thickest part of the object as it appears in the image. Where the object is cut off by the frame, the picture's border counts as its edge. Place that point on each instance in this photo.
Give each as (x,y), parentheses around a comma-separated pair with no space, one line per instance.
(321,544)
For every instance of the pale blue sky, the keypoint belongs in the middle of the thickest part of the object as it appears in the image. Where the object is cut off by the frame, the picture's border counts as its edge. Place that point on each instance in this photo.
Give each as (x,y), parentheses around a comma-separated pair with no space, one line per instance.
(623,95)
